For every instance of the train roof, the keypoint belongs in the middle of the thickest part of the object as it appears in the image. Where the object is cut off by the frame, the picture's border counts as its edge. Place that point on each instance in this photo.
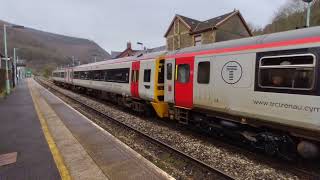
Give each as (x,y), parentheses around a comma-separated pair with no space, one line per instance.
(263,39)
(141,56)
(251,41)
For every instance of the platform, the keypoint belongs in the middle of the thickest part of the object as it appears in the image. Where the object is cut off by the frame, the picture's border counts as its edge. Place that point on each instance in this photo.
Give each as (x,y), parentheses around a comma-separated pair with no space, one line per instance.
(20,131)
(81,149)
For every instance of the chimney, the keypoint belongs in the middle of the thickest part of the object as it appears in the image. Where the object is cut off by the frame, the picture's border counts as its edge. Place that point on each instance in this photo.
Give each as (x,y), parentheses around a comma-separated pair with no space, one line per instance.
(129,45)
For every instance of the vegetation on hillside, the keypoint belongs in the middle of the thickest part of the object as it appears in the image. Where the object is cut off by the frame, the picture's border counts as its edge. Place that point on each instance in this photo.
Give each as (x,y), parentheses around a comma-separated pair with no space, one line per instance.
(291,15)
(45,51)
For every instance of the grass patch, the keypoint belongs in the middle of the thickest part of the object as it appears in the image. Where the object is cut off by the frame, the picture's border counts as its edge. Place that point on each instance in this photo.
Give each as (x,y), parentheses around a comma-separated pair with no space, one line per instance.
(2,93)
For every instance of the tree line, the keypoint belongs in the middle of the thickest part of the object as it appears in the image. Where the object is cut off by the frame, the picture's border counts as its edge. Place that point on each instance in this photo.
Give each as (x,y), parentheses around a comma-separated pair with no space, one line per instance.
(292,15)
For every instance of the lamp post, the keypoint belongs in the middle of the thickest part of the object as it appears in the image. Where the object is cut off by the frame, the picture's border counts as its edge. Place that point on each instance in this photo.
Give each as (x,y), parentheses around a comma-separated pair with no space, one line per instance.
(6,54)
(15,65)
(308,12)
(72,61)
(140,43)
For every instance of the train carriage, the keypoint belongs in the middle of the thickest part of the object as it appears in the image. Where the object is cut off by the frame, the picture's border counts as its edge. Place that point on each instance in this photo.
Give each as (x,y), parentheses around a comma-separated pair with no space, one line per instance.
(264,90)
(136,82)
(268,82)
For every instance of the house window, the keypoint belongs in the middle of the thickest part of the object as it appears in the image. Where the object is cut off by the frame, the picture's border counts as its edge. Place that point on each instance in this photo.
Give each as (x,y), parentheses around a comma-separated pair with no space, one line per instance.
(204,72)
(183,73)
(169,71)
(292,72)
(197,40)
(147,75)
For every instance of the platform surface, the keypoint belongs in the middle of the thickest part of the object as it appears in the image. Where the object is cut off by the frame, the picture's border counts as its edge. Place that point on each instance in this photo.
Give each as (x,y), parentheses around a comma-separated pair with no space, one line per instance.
(20,131)
(115,159)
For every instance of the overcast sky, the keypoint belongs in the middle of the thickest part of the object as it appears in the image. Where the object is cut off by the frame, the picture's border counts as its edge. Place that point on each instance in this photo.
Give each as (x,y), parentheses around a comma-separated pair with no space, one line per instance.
(111,23)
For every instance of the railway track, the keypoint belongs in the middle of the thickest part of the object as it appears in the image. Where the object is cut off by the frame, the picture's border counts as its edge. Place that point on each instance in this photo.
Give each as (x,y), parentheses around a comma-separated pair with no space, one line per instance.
(196,162)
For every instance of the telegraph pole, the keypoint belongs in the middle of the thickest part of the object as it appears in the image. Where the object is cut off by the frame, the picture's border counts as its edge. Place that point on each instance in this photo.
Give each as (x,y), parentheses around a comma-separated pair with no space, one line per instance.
(308,12)
(6,53)
(6,58)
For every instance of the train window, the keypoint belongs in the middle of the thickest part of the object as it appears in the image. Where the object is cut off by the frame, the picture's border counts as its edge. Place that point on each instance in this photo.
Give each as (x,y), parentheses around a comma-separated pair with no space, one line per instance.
(86,75)
(183,73)
(76,75)
(82,75)
(135,76)
(96,75)
(169,71)
(161,72)
(296,72)
(102,75)
(117,75)
(147,75)
(204,72)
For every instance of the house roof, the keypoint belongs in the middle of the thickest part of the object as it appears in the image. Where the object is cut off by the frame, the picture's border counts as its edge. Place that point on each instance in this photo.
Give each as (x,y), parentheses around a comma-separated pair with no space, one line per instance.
(192,23)
(156,49)
(196,26)
(114,54)
(126,51)
(210,23)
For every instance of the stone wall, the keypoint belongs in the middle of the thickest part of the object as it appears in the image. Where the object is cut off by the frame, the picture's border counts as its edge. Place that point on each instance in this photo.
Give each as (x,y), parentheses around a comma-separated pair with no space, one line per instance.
(179,36)
(208,37)
(186,40)
(232,29)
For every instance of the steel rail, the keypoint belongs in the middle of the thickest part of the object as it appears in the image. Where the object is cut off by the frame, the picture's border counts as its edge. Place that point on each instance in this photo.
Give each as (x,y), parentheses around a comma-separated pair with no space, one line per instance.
(153,140)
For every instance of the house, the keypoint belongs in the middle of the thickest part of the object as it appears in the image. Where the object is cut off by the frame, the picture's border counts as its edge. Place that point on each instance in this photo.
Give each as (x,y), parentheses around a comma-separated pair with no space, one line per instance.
(185,32)
(127,52)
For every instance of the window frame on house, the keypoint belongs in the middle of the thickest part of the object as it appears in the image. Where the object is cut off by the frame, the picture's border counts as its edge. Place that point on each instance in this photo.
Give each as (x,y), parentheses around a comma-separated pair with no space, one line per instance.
(197,41)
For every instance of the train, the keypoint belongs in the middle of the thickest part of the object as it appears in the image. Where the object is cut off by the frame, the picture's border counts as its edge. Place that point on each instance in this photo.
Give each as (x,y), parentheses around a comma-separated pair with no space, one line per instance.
(263,90)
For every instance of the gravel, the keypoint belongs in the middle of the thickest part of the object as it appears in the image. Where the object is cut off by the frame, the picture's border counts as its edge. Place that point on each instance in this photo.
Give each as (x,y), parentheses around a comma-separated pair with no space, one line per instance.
(238,164)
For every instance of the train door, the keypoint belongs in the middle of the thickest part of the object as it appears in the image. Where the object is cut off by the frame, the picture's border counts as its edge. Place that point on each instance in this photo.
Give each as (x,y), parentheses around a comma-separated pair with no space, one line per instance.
(146,82)
(169,80)
(65,75)
(135,79)
(68,75)
(71,76)
(184,82)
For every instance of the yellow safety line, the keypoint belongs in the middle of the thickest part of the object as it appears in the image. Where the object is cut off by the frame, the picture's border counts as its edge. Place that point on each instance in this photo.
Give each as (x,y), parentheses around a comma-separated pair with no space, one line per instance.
(58,159)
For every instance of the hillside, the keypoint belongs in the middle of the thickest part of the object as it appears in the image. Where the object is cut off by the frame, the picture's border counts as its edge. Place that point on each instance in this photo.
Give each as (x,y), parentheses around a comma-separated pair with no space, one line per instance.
(43,49)
(291,16)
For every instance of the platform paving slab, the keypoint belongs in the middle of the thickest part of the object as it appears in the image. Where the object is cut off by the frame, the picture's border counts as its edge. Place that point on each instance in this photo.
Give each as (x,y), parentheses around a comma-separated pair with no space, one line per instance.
(21,132)
(79,163)
(116,160)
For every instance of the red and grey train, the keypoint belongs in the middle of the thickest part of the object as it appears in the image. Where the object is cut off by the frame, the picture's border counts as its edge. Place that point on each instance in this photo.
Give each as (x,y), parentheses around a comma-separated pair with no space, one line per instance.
(263,89)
